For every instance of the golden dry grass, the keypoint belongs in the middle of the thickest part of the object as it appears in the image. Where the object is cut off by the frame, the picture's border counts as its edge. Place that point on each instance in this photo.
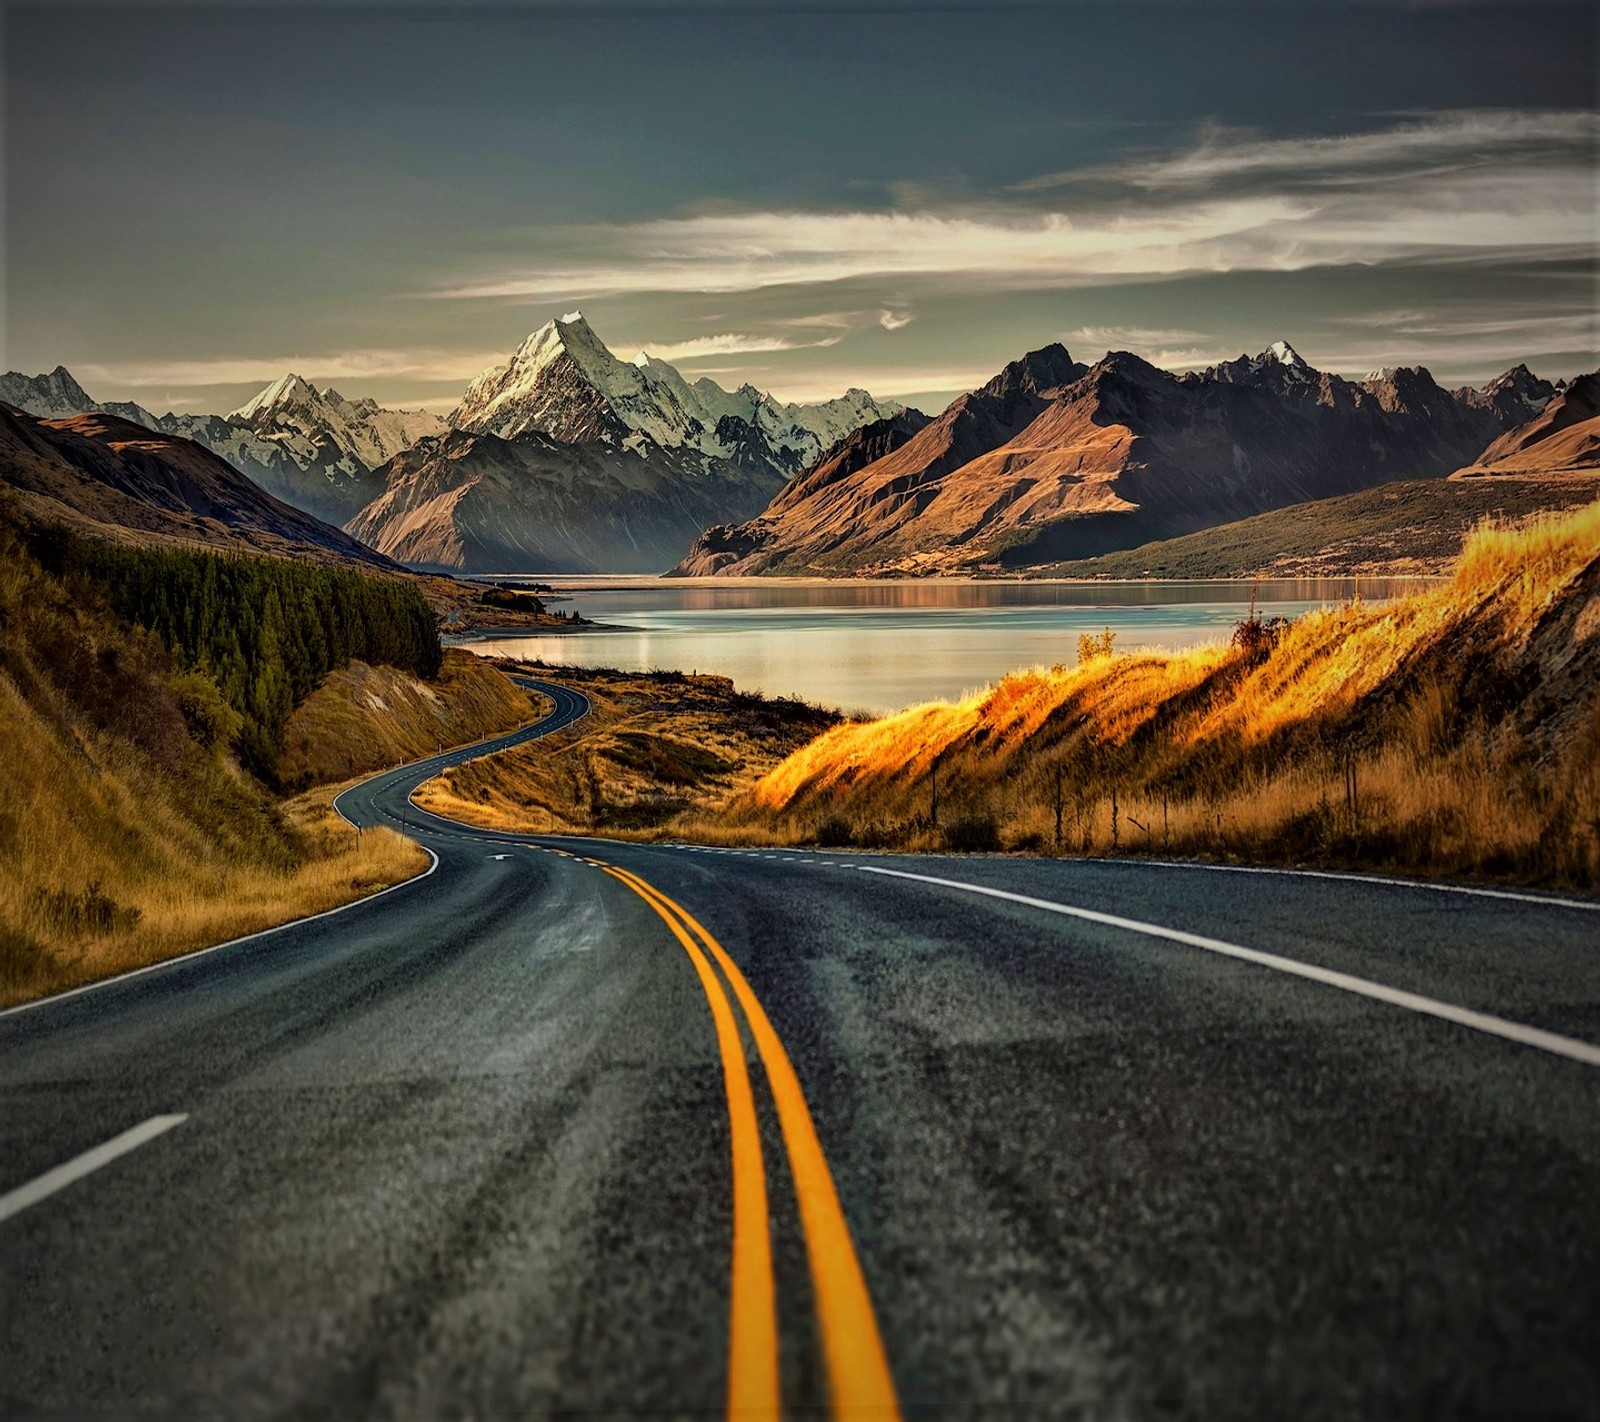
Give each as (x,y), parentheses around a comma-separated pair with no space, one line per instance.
(653,746)
(1456,730)
(363,718)
(112,863)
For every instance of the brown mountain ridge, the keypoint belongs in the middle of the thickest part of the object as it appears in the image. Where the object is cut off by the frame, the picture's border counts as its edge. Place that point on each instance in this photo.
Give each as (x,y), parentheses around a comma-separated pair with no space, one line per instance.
(1053,460)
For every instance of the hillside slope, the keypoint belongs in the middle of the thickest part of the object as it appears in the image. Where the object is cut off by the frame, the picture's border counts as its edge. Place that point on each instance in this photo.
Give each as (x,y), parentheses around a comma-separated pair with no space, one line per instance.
(1052,460)
(118,480)
(479,503)
(1563,438)
(1411,528)
(1453,731)
(127,831)
(363,717)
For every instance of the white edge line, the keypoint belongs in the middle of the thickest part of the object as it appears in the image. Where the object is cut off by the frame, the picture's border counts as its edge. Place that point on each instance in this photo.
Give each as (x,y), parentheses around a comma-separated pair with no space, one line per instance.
(1345,876)
(1517,1032)
(43,1186)
(195,953)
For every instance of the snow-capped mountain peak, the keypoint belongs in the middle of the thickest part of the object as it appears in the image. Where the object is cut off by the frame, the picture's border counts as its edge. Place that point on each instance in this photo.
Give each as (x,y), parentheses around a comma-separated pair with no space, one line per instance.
(311,425)
(54,396)
(1284,354)
(564,381)
(286,391)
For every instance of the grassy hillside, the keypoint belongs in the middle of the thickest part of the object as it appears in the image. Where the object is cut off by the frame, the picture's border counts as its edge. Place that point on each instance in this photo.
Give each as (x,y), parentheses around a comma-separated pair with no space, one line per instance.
(363,718)
(1411,528)
(128,830)
(654,745)
(1453,731)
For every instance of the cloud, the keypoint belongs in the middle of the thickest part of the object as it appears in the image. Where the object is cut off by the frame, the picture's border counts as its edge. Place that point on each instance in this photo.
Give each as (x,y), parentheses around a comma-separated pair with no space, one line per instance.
(1430,145)
(730,343)
(895,320)
(358,365)
(897,381)
(1446,187)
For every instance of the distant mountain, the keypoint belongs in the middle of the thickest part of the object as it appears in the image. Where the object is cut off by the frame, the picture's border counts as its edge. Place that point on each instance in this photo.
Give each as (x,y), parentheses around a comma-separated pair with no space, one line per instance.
(1410,528)
(563,381)
(475,502)
(312,448)
(1563,438)
(1054,460)
(117,479)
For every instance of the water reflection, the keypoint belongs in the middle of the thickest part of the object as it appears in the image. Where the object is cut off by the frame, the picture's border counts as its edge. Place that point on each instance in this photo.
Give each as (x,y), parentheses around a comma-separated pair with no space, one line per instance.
(876,646)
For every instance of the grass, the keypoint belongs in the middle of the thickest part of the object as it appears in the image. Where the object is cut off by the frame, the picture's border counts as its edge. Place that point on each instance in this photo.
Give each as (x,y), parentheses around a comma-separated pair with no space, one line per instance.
(1413,528)
(127,829)
(363,718)
(655,745)
(1454,731)
(113,862)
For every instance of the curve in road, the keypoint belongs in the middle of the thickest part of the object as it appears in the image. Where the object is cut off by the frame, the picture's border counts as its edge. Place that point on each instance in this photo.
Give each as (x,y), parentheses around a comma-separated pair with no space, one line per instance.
(474,1146)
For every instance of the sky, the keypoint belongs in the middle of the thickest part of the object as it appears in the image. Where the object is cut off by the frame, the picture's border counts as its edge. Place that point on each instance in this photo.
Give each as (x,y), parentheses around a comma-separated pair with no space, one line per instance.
(389,198)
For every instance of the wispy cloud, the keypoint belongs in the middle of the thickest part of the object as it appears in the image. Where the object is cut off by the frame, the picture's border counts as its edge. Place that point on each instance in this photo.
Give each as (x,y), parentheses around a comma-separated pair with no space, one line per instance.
(730,343)
(324,367)
(1474,187)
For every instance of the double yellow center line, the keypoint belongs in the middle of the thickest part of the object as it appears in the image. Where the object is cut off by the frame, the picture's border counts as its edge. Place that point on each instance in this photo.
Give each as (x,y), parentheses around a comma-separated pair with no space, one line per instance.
(859,1381)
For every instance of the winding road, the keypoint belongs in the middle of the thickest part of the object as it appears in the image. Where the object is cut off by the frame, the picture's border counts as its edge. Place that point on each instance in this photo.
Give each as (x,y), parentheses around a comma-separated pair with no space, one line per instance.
(578,1125)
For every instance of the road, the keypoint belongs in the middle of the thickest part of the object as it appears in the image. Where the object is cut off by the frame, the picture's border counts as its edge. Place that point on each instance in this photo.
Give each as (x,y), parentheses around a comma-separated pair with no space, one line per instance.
(576,1125)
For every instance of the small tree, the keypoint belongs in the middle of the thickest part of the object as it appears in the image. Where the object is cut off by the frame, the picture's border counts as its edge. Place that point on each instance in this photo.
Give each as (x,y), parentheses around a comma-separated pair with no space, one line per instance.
(1091,647)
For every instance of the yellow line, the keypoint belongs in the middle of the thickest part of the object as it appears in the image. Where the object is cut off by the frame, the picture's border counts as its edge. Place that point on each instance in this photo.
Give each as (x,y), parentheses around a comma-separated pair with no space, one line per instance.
(858,1367)
(753,1306)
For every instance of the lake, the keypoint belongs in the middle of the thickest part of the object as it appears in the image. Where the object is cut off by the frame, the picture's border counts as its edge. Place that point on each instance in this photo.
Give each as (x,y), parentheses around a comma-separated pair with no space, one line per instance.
(877,646)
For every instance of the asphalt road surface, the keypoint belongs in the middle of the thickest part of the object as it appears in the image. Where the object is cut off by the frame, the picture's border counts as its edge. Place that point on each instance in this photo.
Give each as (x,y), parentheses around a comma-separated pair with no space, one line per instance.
(583,1126)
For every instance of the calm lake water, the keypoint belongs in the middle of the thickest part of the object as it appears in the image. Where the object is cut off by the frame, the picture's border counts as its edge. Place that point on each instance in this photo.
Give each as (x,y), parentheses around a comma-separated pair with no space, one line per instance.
(877,646)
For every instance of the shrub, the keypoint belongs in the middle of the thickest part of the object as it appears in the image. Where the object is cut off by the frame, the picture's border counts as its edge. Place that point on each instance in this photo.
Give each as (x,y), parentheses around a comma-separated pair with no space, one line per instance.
(833,833)
(1092,647)
(973,834)
(1256,636)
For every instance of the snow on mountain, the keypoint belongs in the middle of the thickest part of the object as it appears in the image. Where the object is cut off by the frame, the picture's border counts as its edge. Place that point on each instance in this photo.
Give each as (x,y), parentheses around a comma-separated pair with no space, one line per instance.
(51,397)
(564,382)
(305,421)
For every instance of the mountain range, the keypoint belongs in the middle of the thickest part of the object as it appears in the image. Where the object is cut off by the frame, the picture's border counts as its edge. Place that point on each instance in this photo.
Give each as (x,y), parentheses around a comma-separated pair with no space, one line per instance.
(312,448)
(113,478)
(562,459)
(1053,460)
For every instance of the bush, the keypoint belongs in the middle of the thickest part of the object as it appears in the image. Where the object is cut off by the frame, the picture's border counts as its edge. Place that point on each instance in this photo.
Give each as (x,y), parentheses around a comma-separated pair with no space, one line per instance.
(1256,636)
(833,833)
(973,834)
(1092,647)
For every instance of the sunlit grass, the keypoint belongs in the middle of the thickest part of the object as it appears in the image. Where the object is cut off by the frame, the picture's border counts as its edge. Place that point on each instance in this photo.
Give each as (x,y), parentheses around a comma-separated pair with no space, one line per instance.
(1457,729)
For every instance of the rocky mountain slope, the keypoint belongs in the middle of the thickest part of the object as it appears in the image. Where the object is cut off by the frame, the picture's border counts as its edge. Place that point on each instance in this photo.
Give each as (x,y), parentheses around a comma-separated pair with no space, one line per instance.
(116,479)
(312,448)
(1053,460)
(1562,439)
(563,381)
(479,503)
(667,457)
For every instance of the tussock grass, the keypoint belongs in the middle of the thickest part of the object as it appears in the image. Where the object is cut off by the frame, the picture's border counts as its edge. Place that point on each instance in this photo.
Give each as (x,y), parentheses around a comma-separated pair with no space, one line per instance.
(112,863)
(1456,731)
(127,832)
